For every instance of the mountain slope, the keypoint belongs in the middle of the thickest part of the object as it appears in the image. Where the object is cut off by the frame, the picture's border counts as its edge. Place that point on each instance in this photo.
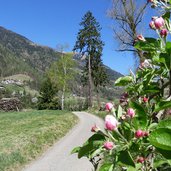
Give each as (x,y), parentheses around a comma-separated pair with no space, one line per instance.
(113,75)
(19,48)
(20,55)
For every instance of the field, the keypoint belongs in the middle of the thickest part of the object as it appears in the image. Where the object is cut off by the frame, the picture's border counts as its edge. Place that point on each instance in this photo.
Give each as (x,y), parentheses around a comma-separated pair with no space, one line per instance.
(21,77)
(25,135)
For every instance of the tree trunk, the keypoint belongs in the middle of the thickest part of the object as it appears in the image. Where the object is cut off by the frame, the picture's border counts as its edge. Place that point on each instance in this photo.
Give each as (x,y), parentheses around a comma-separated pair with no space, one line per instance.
(64,84)
(90,83)
(63,98)
(141,56)
(98,97)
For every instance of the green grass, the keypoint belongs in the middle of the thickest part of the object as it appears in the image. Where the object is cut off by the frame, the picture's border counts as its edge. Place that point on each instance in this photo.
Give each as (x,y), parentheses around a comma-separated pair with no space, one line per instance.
(25,135)
(98,113)
(12,87)
(20,88)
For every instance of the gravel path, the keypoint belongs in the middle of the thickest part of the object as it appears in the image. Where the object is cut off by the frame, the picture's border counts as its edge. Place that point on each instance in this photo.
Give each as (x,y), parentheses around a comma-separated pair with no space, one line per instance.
(58,157)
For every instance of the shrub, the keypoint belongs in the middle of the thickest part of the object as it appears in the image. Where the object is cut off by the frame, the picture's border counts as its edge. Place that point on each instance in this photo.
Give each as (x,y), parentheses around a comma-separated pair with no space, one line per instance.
(76,104)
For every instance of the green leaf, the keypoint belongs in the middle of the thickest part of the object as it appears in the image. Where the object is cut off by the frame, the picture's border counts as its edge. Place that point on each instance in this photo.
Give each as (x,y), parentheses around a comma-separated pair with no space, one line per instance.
(96,152)
(149,45)
(75,150)
(123,81)
(161,138)
(97,137)
(115,135)
(140,120)
(86,150)
(166,154)
(119,114)
(127,133)
(159,163)
(165,124)
(106,167)
(132,169)
(151,91)
(166,15)
(162,105)
(152,126)
(126,159)
(165,59)
(134,146)
(168,47)
(148,76)
(151,88)
(91,145)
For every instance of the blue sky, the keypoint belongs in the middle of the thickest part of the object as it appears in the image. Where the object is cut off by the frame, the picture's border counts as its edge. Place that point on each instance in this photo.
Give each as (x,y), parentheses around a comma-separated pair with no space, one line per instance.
(52,22)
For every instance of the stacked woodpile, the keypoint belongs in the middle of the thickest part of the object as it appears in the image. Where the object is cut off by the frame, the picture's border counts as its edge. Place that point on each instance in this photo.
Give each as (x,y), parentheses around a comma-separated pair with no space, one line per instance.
(10,104)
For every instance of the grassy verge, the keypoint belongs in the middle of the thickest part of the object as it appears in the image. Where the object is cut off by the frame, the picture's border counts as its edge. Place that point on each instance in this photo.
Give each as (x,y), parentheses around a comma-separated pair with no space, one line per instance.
(98,113)
(25,135)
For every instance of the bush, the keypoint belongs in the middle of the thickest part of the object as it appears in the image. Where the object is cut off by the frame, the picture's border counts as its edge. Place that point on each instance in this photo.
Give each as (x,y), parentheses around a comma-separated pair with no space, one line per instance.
(76,104)
(54,104)
(47,98)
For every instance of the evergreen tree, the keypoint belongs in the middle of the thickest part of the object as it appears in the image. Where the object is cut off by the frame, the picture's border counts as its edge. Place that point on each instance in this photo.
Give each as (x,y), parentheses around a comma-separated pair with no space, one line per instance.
(89,43)
(46,94)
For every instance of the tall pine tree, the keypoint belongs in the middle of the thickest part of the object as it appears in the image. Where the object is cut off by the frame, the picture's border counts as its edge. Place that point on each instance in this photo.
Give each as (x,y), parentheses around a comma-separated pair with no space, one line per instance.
(89,43)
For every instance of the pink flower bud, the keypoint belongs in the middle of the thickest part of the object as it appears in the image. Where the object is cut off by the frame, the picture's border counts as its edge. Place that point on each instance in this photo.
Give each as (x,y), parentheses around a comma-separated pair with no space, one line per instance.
(111,123)
(152,25)
(108,145)
(94,128)
(163,32)
(139,133)
(140,160)
(159,23)
(131,112)
(140,37)
(109,106)
(145,99)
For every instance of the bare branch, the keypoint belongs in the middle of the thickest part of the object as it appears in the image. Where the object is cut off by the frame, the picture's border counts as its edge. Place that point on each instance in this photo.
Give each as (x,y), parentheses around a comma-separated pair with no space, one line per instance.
(128,50)
(127,16)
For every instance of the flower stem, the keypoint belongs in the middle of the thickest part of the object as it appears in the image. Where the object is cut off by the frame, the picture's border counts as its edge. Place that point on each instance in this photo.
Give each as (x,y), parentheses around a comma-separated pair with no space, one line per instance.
(111,136)
(122,136)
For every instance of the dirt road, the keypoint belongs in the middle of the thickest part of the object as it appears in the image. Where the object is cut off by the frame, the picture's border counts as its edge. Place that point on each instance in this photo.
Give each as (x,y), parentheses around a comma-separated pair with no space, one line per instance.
(58,157)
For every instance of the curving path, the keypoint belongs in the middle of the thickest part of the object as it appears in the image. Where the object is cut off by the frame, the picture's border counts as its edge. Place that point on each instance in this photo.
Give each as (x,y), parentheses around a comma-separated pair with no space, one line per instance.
(58,157)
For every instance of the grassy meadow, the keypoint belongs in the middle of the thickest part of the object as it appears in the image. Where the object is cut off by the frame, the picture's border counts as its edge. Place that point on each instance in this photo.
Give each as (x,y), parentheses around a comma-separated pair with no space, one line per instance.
(98,113)
(25,135)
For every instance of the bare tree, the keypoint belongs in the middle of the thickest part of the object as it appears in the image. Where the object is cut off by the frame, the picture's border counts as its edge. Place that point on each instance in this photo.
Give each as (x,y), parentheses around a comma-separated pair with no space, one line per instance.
(127,16)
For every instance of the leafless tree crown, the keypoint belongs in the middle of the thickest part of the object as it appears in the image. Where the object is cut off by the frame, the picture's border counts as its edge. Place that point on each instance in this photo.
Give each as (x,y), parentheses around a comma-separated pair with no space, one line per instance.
(127,16)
